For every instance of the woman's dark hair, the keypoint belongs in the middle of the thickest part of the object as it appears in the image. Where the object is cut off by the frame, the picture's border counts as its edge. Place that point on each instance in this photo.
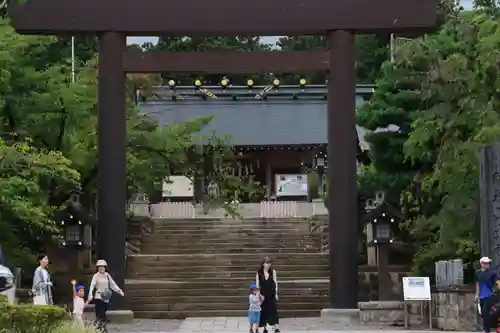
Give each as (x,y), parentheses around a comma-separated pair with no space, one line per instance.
(266,260)
(105,268)
(40,258)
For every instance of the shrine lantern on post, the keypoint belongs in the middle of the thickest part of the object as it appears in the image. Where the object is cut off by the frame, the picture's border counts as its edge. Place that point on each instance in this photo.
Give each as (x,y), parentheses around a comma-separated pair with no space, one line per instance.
(320,166)
(381,220)
(75,224)
(383,229)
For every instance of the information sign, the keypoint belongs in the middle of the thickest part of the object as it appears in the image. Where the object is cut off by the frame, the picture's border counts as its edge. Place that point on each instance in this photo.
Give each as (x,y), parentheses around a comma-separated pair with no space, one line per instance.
(416,289)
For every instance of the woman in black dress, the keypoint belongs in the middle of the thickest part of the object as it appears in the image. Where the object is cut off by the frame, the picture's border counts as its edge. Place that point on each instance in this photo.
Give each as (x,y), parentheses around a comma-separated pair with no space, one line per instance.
(267,281)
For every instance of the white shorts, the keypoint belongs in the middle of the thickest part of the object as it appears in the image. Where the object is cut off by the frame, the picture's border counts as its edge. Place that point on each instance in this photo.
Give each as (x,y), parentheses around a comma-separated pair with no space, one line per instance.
(78,320)
(40,300)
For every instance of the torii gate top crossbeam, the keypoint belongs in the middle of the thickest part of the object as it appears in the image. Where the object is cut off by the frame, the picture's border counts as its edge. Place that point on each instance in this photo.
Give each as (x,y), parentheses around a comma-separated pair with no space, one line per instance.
(221,17)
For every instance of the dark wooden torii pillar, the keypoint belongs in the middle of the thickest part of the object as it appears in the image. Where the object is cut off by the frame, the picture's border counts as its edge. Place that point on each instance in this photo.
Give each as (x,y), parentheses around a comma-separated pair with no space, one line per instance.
(112,20)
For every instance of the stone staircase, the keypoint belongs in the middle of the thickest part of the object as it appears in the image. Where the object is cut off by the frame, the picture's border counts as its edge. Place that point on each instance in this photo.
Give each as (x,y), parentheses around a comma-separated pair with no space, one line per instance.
(202,268)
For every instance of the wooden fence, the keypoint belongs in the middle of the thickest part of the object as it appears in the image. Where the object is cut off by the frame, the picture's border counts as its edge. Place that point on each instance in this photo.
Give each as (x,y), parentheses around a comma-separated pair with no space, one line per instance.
(265,209)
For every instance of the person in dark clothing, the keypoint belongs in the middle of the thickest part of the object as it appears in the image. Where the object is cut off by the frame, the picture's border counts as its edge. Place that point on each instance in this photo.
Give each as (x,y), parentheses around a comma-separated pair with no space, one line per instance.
(267,281)
(486,281)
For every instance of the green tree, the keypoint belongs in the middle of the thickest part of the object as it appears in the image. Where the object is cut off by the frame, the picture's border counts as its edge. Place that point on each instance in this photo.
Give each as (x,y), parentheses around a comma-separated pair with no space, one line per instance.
(26,174)
(39,105)
(189,44)
(441,92)
(371,52)
(388,116)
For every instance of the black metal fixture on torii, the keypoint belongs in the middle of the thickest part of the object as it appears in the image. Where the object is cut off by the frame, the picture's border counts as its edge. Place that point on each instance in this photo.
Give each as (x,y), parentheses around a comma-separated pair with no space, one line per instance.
(340,20)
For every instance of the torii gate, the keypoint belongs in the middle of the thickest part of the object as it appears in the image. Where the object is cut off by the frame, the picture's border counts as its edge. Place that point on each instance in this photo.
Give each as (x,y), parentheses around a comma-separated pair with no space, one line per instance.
(113,20)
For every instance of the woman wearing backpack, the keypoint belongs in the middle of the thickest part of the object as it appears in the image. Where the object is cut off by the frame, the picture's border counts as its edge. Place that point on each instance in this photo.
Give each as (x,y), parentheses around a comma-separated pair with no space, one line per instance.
(100,291)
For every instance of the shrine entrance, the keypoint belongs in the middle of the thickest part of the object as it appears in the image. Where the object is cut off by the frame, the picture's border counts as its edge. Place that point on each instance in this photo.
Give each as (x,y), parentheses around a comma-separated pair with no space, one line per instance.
(113,20)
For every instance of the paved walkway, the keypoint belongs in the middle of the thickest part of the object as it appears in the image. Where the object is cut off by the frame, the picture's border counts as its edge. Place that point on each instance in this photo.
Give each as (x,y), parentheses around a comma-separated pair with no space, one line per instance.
(240,325)
(287,325)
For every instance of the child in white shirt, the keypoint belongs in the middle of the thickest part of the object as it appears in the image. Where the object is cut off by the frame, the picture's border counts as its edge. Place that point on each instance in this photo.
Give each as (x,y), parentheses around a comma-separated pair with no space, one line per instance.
(78,303)
(255,301)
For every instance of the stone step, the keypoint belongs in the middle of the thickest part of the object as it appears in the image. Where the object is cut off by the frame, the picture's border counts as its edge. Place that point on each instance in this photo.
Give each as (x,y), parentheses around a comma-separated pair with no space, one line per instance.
(234,231)
(218,313)
(208,304)
(254,262)
(165,274)
(229,242)
(233,228)
(229,245)
(135,266)
(141,291)
(215,283)
(219,221)
(230,259)
(231,238)
(236,250)
(178,239)
(239,300)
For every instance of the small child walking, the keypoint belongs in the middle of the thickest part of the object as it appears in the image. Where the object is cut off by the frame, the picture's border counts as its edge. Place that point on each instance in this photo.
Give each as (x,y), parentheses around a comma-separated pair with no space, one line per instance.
(78,304)
(255,300)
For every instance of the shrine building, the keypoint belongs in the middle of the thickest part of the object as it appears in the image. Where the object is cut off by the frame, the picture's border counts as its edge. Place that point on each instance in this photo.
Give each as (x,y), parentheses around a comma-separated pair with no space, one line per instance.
(279,131)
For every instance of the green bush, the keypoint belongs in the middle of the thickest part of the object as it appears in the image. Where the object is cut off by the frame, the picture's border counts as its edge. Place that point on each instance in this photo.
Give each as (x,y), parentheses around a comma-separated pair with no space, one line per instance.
(29,318)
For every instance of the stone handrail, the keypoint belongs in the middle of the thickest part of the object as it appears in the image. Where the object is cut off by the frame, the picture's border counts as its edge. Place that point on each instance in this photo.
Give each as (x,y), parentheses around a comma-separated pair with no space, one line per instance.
(131,249)
(319,226)
(137,228)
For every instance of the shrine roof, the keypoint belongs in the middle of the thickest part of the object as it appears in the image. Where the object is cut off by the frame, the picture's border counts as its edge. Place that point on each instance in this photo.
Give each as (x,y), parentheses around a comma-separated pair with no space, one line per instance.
(289,116)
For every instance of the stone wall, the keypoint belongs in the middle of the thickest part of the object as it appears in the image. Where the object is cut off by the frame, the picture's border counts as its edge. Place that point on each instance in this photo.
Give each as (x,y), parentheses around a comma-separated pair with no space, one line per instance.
(455,309)
(452,310)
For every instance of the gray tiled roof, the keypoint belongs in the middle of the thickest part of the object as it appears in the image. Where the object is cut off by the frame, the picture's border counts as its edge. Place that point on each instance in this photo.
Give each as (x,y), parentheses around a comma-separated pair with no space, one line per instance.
(253,123)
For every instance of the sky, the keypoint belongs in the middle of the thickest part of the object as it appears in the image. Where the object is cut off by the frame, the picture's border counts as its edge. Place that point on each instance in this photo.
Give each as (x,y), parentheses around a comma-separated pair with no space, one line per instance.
(467,4)
(142,40)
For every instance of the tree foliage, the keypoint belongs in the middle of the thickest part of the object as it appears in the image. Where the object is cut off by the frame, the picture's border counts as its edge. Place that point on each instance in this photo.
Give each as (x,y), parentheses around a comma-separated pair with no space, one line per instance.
(442,93)
(26,174)
(49,145)
(371,52)
(190,44)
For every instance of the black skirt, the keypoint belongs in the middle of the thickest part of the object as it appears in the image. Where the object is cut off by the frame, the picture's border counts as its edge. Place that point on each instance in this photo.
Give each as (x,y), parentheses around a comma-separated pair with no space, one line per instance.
(269,313)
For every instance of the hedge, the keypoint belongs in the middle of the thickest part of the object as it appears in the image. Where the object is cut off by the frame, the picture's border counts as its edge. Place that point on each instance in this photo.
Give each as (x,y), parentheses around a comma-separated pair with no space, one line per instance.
(29,318)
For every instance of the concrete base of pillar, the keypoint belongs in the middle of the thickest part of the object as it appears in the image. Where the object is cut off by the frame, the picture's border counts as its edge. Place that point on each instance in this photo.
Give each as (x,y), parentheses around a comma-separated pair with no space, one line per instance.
(120,316)
(390,313)
(341,316)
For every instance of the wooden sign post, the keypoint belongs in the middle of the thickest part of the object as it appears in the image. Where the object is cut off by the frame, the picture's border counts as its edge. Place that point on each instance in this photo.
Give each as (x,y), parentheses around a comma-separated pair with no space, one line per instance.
(113,20)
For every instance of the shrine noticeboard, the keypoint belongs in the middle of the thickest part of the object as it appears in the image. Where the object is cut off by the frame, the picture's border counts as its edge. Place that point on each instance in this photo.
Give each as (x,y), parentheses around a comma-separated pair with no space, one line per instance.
(416,288)
(293,185)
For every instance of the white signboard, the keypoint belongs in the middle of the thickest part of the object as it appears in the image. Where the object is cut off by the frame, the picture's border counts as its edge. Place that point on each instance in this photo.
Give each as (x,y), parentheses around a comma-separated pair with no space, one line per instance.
(416,289)
(178,187)
(291,185)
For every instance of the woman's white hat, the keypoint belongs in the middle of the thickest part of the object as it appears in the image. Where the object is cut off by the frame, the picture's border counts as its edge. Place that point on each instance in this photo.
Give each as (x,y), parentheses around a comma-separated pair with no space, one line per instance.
(101,262)
(484,260)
